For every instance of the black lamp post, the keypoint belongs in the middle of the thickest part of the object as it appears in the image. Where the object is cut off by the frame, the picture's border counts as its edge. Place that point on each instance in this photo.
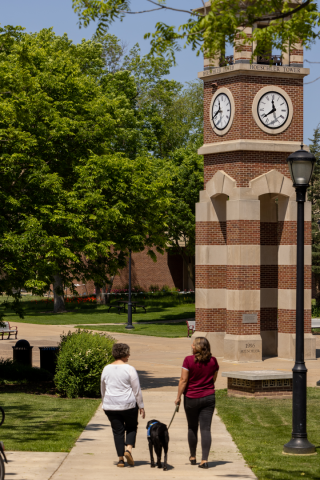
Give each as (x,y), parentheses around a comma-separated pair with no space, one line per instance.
(129,325)
(301,165)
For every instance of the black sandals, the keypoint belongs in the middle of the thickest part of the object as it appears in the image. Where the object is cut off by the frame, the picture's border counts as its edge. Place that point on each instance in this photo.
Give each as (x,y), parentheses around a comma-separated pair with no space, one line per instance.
(193,462)
(204,465)
(129,458)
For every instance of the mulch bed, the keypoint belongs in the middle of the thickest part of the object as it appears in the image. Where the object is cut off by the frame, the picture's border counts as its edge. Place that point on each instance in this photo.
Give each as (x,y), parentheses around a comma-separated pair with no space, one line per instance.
(40,388)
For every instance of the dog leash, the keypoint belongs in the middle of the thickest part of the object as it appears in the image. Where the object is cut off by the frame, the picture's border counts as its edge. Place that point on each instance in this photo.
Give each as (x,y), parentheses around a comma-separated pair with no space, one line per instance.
(175,411)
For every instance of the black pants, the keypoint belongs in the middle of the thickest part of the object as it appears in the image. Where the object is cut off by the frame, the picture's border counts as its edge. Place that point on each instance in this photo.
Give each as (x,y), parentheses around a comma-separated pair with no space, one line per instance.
(199,410)
(123,421)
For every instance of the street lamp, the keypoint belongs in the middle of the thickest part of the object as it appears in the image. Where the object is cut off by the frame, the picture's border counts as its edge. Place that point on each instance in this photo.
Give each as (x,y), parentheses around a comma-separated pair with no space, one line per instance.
(129,325)
(301,164)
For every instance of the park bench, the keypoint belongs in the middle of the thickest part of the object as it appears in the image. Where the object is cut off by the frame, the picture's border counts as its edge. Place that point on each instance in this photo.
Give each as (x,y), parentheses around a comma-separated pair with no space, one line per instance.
(121,305)
(8,330)
(191,324)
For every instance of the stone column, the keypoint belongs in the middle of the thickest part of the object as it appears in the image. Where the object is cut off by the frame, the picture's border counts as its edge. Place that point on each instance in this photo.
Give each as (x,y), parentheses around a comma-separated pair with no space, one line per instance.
(243,341)
(211,260)
(211,62)
(296,55)
(287,241)
(242,50)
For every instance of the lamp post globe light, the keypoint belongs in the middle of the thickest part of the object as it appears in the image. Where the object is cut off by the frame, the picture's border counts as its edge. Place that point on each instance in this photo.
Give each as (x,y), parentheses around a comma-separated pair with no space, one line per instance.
(129,325)
(301,164)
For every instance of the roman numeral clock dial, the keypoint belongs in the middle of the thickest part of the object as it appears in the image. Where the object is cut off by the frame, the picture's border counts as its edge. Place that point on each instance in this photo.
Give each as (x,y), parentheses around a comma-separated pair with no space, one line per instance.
(222,111)
(273,110)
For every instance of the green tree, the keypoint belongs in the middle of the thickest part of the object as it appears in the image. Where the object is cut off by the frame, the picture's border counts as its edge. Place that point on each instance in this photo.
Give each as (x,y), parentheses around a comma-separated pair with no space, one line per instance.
(283,23)
(172,129)
(314,198)
(186,172)
(170,114)
(61,112)
(127,207)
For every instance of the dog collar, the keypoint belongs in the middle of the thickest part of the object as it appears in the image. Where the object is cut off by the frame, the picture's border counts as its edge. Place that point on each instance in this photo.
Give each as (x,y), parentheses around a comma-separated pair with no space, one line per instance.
(149,428)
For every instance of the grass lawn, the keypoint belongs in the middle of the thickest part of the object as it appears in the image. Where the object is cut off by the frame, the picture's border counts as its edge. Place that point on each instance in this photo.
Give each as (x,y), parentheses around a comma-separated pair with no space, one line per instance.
(159,307)
(261,427)
(39,423)
(174,330)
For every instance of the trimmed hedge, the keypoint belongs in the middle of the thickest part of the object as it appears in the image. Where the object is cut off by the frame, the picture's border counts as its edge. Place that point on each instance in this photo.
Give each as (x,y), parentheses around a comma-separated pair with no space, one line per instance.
(83,355)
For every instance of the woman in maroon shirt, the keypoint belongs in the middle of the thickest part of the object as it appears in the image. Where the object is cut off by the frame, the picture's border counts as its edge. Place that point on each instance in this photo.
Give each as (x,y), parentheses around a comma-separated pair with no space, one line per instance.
(198,376)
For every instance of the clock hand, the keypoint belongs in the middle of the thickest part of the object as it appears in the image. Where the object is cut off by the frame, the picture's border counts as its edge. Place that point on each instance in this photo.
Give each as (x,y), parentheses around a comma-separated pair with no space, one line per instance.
(271,111)
(219,111)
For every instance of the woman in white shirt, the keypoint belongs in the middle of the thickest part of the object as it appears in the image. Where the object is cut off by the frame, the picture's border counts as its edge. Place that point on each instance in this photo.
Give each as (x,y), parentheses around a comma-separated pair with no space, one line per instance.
(121,401)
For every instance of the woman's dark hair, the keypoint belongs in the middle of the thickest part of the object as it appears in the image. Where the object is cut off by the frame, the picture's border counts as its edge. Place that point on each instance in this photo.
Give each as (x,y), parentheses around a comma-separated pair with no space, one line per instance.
(203,350)
(120,350)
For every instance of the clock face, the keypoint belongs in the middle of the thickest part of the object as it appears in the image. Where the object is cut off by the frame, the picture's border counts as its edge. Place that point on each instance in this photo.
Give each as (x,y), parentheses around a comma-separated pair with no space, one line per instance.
(221,111)
(273,110)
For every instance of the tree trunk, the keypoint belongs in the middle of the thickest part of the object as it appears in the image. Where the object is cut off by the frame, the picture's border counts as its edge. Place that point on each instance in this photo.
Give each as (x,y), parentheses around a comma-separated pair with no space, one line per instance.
(98,294)
(190,267)
(192,271)
(58,295)
(110,285)
(103,296)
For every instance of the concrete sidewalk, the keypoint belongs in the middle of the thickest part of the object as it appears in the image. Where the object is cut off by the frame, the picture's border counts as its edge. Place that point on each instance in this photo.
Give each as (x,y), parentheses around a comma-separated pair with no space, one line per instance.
(158,361)
(94,454)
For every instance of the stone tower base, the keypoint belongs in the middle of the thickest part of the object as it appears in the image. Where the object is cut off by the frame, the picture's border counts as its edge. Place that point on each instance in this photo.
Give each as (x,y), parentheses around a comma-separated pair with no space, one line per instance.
(287,346)
(251,348)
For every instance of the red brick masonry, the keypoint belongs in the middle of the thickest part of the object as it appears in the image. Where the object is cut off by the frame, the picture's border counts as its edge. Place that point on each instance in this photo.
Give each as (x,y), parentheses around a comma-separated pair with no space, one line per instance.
(260,388)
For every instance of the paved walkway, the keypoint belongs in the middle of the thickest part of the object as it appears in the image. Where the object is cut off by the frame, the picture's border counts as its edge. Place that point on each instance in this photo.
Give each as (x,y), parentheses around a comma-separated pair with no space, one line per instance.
(95,447)
(158,361)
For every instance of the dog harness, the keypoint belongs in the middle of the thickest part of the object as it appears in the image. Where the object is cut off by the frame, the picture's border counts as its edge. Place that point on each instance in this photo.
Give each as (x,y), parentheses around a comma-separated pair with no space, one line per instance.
(149,428)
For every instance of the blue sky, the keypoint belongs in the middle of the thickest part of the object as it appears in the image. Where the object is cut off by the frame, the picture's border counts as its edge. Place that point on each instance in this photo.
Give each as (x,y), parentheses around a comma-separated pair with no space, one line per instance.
(37,14)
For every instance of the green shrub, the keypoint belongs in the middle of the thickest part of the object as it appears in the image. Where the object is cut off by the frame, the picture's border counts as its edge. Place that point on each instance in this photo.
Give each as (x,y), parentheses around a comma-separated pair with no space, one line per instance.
(14,372)
(154,288)
(166,288)
(315,311)
(81,359)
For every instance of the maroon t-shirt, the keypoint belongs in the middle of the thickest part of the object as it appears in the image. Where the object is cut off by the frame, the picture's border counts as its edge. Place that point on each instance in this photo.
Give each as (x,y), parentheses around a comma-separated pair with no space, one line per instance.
(200,382)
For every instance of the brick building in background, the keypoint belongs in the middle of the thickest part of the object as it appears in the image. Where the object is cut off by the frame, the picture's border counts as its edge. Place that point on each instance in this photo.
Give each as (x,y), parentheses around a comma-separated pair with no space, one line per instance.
(246,216)
(168,270)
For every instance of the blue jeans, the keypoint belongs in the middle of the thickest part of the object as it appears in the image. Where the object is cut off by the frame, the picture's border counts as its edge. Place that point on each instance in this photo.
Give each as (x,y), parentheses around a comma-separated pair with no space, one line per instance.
(199,410)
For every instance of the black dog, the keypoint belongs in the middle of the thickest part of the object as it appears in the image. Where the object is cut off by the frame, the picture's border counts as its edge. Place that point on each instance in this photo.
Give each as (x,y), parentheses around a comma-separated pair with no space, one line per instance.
(158,437)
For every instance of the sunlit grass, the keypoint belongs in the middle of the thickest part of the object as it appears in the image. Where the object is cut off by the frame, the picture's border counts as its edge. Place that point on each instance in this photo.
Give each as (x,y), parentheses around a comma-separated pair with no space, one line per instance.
(173,330)
(39,423)
(260,428)
(159,307)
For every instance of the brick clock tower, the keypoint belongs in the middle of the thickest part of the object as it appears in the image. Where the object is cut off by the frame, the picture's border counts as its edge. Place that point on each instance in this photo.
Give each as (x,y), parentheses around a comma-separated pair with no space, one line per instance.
(246,216)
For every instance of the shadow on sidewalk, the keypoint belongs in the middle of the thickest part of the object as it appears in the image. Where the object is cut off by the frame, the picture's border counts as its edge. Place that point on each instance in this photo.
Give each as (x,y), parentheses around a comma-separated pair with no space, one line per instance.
(217,463)
(148,381)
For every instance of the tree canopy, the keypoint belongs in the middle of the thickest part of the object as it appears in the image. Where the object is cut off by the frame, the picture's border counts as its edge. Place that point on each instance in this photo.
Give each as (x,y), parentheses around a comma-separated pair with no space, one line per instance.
(282,24)
(171,116)
(314,198)
(75,185)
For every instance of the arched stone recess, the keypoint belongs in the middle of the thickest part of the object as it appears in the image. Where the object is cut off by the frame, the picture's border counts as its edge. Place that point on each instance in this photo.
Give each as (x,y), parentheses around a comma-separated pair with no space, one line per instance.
(211,260)
(272,182)
(220,183)
(278,216)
